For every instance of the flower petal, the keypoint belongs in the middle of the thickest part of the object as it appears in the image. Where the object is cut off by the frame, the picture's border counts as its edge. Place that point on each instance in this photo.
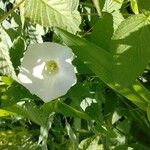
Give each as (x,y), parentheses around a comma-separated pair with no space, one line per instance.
(47,86)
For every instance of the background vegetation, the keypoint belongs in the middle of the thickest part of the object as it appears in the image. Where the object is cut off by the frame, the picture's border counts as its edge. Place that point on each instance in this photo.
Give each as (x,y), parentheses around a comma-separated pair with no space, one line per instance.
(109,107)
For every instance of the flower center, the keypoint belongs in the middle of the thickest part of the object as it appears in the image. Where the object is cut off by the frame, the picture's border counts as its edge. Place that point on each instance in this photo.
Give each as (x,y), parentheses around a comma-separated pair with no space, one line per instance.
(51,66)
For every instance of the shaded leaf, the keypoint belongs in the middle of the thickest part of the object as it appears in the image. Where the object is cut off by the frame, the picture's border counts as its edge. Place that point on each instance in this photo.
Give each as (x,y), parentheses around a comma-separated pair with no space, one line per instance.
(144,4)
(103,31)
(100,62)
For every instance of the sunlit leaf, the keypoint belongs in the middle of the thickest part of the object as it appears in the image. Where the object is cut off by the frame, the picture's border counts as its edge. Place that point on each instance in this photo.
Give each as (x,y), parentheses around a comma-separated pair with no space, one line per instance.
(130,49)
(134,6)
(5,113)
(54,13)
(6,67)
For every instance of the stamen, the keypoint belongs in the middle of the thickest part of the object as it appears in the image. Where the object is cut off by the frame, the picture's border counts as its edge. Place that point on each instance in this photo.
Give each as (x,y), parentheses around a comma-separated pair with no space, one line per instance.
(51,66)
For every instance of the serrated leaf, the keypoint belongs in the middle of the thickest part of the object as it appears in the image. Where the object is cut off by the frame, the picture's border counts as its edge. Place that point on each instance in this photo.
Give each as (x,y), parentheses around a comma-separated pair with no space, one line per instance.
(112,5)
(130,49)
(6,67)
(54,13)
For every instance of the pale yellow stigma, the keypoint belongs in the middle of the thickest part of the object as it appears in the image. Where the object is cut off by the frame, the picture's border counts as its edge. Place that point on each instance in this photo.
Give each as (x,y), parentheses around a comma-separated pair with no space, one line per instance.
(51,66)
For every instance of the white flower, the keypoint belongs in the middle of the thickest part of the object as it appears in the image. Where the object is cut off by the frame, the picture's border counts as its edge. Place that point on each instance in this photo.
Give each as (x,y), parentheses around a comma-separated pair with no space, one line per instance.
(46,70)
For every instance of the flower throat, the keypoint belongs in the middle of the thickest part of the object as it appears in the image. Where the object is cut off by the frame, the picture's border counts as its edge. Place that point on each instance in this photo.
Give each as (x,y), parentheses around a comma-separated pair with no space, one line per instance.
(51,66)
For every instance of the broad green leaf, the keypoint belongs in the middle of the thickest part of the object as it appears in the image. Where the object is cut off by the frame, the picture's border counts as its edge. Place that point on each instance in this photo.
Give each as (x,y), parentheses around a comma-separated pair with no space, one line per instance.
(59,107)
(6,67)
(54,13)
(103,31)
(36,114)
(96,58)
(100,62)
(130,49)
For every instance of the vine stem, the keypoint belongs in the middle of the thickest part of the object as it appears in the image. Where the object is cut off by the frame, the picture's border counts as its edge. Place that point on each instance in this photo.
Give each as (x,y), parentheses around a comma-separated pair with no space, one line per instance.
(11,11)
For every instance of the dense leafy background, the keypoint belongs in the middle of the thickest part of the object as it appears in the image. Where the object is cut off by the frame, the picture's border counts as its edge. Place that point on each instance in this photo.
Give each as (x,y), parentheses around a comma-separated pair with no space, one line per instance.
(109,107)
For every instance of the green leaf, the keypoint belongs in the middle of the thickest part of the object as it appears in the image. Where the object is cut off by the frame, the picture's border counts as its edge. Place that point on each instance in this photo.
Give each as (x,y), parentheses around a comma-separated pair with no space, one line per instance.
(96,58)
(130,49)
(36,114)
(148,112)
(5,113)
(59,107)
(6,80)
(16,52)
(6,67)
(54,13)
(100,61)
(72,136)
(31,111)
(113,7)
(103,31)
(15,93)
(134,6)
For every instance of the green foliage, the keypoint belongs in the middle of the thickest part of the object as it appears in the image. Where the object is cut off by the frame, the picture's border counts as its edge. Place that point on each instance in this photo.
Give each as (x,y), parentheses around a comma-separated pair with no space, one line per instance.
(6,67)
(129,50)
(54,13)
(109,106)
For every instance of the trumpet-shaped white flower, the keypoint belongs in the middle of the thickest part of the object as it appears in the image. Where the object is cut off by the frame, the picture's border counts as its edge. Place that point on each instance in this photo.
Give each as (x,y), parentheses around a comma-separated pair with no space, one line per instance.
(46,70)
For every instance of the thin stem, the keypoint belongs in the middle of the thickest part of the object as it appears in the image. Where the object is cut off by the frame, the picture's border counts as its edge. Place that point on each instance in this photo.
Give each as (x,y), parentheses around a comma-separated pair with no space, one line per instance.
(11,11)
